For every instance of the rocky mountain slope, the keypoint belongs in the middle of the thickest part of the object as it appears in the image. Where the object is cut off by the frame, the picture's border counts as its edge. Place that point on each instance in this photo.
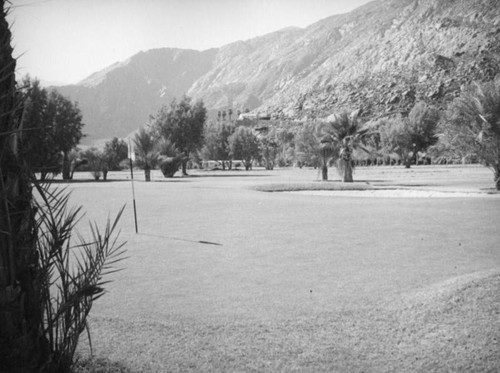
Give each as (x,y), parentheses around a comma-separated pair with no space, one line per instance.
(381,57)
(391,53)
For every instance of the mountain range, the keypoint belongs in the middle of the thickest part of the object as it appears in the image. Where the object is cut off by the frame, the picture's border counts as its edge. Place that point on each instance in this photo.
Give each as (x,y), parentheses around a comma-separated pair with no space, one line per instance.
(380,58)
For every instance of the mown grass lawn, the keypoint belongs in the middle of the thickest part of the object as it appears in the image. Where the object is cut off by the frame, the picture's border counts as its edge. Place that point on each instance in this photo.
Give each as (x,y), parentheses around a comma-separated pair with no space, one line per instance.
(225,277)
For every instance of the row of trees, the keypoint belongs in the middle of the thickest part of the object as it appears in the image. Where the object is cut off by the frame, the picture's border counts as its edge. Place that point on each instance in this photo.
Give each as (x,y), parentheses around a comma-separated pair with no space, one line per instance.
(172,137)
(469,129)
(180,132)
(100,161)
(52,127)
(322,143)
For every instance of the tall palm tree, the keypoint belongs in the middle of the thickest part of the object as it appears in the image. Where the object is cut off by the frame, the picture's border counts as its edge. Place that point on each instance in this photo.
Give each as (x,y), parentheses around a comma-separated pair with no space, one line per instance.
(408,136)
(473,124)
(20,310)
(346,133)
(328,150)
(146,152)
(45,296)
(315,147)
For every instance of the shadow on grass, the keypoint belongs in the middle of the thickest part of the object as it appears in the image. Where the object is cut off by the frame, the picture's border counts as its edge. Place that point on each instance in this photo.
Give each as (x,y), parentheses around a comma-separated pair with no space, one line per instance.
(295,187)
(81,181)
(180,239)
(103,365)
(411,185)
(171,180)
(356,181)
(371,181)
(219,175)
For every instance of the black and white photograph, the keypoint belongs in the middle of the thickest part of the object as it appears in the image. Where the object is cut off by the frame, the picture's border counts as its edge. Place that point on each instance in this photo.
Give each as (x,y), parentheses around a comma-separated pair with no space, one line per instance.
(249,186)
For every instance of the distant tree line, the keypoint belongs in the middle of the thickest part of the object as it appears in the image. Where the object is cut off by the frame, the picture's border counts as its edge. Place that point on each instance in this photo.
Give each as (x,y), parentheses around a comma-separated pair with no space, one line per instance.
(181,135)
(52,127)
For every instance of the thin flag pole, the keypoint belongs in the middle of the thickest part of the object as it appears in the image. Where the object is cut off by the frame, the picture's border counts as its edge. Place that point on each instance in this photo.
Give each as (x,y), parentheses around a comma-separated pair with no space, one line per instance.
(131,158)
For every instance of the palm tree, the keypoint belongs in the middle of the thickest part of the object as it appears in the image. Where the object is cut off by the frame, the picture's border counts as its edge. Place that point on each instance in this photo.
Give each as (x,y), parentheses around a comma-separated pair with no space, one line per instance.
(20,311)
(328,150)
(44,299)
(315,147)
(346,133)
(473,125)
(146,152)
(408,136)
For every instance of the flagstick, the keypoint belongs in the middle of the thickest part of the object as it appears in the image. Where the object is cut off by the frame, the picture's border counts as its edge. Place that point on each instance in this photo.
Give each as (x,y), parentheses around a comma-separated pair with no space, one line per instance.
(133,190)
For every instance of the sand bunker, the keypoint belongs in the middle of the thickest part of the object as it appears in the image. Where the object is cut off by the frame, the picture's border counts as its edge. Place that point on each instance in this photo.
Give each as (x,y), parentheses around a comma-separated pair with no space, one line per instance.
(396,193)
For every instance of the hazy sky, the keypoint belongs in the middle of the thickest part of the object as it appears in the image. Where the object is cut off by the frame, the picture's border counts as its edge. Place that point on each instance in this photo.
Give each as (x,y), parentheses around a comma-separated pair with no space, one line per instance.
(64,41)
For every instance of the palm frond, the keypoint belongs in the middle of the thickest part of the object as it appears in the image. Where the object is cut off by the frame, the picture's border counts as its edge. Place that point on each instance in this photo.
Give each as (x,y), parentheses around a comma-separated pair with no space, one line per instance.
(72,275)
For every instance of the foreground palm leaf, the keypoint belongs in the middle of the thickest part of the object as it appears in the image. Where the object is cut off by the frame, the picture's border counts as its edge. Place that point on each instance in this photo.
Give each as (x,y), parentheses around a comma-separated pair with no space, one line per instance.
(47,285)
(71,276)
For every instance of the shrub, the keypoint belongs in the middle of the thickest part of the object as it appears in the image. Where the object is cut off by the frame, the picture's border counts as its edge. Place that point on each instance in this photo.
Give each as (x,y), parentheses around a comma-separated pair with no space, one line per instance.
(169,166)
(95,163)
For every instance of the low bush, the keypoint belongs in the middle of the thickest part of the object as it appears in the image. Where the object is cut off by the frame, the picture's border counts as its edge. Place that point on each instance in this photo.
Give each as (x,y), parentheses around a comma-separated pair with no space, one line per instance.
(169,166)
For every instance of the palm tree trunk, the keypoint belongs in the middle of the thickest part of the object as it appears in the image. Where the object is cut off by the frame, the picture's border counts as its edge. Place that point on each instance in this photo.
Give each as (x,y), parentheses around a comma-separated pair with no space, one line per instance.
(66,167)
(185,160)
(324,172)
(407,161)
(147,174)
(20,308)
(347,175)
(496,173)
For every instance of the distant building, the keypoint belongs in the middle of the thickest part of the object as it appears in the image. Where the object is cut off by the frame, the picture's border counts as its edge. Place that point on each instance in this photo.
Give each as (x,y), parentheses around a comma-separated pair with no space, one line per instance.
(254,116)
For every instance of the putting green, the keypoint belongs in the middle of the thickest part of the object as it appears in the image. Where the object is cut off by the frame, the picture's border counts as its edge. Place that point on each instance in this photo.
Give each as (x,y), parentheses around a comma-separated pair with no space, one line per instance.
(212,252)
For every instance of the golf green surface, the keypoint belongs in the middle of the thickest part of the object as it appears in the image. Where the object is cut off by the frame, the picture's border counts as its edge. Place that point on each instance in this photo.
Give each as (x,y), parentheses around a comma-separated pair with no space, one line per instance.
(225,277)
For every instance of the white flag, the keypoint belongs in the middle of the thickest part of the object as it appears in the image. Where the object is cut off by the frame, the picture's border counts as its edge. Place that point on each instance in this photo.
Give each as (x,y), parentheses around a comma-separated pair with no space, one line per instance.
(131,151)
